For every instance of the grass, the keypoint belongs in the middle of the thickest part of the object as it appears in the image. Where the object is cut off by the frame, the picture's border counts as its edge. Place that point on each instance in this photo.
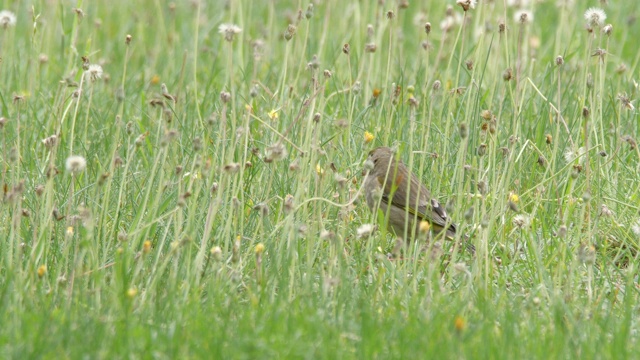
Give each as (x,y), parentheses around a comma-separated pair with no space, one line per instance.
(216,216)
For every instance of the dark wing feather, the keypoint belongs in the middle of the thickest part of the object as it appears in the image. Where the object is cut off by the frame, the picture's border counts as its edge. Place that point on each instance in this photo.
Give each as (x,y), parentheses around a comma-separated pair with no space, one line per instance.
(423,205)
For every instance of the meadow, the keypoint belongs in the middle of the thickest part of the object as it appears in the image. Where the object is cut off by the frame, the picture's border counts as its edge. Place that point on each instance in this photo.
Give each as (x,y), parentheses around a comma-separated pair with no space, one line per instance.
(183,179)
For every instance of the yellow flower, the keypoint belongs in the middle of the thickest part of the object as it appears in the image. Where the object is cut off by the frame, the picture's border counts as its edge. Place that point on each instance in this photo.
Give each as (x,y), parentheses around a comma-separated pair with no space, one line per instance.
(155,80)
(146,246)
(273,114)
(319,170)
(514,198)
(70,231)
(42,269)
(459,323)
(368,137)
(259,248)
(132,292)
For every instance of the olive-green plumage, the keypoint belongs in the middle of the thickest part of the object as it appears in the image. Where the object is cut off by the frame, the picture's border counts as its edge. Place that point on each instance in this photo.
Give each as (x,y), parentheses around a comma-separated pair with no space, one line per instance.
(394,189)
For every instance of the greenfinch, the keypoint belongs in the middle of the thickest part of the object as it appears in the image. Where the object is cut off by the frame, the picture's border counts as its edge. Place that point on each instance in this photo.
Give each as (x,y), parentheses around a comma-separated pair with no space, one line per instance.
(404,201)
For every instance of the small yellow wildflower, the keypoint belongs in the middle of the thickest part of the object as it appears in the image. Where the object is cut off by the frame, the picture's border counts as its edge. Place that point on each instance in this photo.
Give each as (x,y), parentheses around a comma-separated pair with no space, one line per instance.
(273,114)
(514,198)
(146,246)
(319,170)
(459,323)
(259,248)
(132,292)
(368,137)
(155,80)
(42,269)
(69,231)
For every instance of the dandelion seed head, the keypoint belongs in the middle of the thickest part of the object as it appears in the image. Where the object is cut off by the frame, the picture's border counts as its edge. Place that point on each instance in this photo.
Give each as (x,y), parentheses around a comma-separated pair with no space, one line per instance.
(523,16)
(275,152)
(365,230)
(229,31)
(570,154)
(94,72)
(7,18)
(75,164)
(521,221)
(595,17)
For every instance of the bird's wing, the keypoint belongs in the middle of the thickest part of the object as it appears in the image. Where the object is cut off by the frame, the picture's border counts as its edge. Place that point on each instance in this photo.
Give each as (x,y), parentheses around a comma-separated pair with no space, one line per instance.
(423,205)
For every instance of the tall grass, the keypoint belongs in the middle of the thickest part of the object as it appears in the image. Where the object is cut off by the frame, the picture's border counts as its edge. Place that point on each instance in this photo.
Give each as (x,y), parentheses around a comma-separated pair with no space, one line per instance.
(218,212)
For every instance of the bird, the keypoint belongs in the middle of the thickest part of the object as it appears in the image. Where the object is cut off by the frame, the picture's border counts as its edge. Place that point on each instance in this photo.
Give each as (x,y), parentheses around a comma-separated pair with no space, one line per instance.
(391,187)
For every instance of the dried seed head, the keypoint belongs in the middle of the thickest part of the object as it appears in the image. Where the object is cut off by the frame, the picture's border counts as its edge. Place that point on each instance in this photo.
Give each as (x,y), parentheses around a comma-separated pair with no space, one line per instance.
(427,28)
(502,27)
(370,48)
(587,254)
(464,131)
(225,96)
(542,161)
(631,141)
(231,168)
(521,221)
(75,164)
(314,64)
(309,13)
(94,72)
(482,149)
(50,141)
(507,74)
(365,230)
(436,85)
(295,165)
(346,49)
(169,136)
(595,17)
(559,60)
(196,143)
(275,152)
(483,187)
(625,101)
(289,204)
(7,19)
(523,16)
(562,231)
(469,64)
(262,209)
(229,31)
(466,4)
(291,30)
(127,39)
